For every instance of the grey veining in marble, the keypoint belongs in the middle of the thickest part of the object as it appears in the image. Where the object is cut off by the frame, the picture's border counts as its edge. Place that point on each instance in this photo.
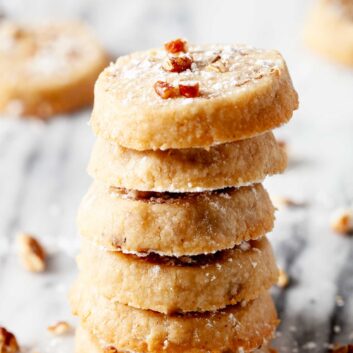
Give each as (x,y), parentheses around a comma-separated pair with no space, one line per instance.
(42,169)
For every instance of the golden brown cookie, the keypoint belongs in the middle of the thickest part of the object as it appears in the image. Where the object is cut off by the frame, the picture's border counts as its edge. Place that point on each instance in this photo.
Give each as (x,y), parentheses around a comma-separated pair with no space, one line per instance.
(184,284)
(174,224)
(329,30)
(244,326)
(189,170)
(86,343)
(243,92)
(47,69)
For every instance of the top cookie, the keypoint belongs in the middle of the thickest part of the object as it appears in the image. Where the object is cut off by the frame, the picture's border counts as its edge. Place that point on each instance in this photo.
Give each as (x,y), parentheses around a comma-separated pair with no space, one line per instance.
(217,94)
(47,68)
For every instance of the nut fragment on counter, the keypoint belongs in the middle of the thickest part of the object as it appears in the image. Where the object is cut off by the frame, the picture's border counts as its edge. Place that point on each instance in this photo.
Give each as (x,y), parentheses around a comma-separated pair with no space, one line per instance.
(283,279)
(342,221)
(348,348)
(286,202)
(176,46)
(8,342)
(31,252)
(59,328)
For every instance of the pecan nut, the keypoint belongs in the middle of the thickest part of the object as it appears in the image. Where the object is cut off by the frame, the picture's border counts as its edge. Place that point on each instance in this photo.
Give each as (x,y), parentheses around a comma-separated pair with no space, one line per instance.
(8,342)
(32,254)
(176,46)
(177,63)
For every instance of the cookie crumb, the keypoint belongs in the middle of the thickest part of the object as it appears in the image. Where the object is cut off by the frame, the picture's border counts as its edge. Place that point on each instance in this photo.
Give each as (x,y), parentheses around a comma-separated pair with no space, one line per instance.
(59,328)
(283,279)
(342,221)
(339,301)
(8,342)
(31,253)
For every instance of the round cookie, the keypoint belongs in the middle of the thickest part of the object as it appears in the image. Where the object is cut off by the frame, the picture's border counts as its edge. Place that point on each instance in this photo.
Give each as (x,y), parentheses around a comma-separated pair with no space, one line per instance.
(243,92)
(329,30)
(47,69)
(169,284)
(189,170)
(174,224)
(237,327)
(85,342)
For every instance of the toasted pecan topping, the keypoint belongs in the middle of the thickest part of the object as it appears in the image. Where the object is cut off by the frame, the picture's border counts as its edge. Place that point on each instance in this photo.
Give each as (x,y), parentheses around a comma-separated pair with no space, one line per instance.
(178,63)
(31,253)
(8,342)
(190,89)
(165,90)
(176,46)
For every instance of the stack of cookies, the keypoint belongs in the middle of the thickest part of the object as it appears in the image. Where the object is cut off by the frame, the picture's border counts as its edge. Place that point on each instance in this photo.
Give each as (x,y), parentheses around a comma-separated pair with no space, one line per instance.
(174,255)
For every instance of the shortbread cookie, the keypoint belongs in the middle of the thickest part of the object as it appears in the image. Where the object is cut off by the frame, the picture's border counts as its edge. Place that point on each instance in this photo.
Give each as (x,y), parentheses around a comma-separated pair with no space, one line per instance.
(85,342)
(234,164)
(47,69)
(243,92)
(174,224)
(330,30)
(184,284)
(237,327)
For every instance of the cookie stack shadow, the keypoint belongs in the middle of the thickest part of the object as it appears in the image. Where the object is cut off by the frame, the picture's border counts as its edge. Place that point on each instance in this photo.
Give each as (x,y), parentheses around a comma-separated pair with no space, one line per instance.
(174,256)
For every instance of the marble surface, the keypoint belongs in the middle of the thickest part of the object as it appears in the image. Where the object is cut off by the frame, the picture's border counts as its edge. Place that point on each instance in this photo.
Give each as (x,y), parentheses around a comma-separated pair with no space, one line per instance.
(42,169)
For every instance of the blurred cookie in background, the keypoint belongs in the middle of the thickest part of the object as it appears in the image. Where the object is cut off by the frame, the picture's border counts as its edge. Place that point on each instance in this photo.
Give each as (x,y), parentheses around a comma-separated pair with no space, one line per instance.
(329,30)
(47,69)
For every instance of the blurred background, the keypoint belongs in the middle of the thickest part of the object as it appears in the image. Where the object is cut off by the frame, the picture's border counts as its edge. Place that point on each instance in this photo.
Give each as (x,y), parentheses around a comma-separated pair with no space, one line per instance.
(43,177)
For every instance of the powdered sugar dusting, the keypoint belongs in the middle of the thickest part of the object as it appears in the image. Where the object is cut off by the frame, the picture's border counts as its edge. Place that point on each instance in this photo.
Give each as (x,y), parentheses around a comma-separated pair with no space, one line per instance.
(220,71)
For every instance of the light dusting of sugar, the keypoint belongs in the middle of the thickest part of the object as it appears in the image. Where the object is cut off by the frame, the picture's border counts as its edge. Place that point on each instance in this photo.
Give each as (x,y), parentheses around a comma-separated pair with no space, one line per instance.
(133,77)
(47,49)
(244,246)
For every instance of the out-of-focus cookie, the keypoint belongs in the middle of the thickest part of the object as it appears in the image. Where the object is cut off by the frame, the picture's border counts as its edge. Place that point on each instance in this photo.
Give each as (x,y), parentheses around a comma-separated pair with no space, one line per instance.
(169,284)
(85,342)
(188,170)
(244,326)
(174,224)
(329,30)
(47,69)
(241,92)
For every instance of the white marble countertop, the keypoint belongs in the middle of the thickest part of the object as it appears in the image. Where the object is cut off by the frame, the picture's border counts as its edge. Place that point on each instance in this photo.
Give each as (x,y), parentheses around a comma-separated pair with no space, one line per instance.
(42,170)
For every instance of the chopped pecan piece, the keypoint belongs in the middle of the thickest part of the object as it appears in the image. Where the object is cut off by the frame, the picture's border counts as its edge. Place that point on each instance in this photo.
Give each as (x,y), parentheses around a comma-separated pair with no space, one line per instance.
(189,89)
(343,349)
(110,349)
(217,65)
(177,63)
(32,253)
(176,46)
(8,342)
(59,328)
(165,90)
